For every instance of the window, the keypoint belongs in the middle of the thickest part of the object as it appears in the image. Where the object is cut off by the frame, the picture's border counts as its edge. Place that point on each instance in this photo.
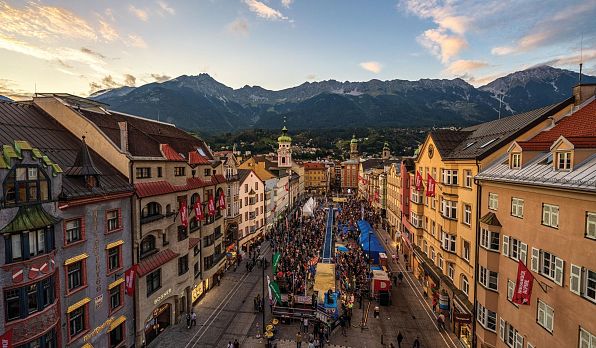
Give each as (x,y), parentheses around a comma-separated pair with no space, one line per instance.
(416,197)
(113,220)
(26,184)
(153,282)
(517,207)
(116,297)
(76,321)
(545,316)
(197,269)
(550,215)
(493,201)
(449,209)
(510,290)
(488,278)
(591,225)
(515,161)
(489,240)
(28,244)
(208,262)
(467,214)
(582,281)
(179,171)
(433,228)
(147,246)
(510,335)
(150,210)
(432,254)
(415,220)
(515,249)
(114,262)
(159,172)
(548,265)
(73,231)
(450,270)
(117,335)
(21,302)
(183,265)
(466,250)
(486,318)
(586,339)
(564,160)
(440,261)
(449,176)
(207,172)
(143,173)
(465,285)
(468,178)
(75,275)
(448,241)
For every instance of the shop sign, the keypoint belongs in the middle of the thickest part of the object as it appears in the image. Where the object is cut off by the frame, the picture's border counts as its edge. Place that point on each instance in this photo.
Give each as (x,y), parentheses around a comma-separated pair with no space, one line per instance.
(197,291)
(98,330)
(162,296)
(158,311)
(98,301)
(462,317)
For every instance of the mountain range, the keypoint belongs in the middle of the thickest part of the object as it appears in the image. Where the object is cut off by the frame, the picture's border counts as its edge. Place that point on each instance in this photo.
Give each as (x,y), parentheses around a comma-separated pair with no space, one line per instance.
(200,103)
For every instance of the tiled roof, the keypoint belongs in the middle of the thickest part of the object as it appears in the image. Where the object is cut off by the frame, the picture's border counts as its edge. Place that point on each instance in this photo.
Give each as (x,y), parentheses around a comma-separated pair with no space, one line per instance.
(314,165)
(29,217)
(581,123)
(27,122)
(170,154)
(193,242)
(243,174)
(490,219)
(196,158)
(448,139)
(155,261)
(156,188)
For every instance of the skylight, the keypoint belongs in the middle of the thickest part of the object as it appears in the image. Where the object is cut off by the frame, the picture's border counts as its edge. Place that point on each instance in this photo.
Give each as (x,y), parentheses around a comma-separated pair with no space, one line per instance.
(488,143)
(201,152)
(469,144)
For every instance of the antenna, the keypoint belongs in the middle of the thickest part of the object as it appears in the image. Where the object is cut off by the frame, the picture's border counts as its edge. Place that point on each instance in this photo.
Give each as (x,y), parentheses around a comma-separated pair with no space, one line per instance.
(158,115)
(35,89)
(500,102)
(581,57)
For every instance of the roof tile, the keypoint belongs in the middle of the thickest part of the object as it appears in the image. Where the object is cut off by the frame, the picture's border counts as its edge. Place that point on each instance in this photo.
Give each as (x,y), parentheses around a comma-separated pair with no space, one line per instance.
(155,261)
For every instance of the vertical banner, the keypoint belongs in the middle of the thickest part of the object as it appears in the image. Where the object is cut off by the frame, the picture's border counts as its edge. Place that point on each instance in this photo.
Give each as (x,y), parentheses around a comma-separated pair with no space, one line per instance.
(418,181)
(129,280)
(431,186)
(183,213)
(275,262)
(211,206)
(6,339)
(523,285)
(222,201)
(199,210)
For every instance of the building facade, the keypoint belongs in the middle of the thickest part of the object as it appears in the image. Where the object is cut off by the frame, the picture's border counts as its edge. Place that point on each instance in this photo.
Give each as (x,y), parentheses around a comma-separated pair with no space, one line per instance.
(315,177)
(252,209)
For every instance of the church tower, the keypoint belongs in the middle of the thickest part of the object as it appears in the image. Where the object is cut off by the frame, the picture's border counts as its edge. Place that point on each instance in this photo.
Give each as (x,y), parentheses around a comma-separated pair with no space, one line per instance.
(284,150)
(386,152)
(354,147)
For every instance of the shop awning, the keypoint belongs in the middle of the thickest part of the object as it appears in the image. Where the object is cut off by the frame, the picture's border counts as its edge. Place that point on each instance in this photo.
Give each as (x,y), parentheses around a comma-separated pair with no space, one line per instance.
(28,218)
(427,265)
(155,261)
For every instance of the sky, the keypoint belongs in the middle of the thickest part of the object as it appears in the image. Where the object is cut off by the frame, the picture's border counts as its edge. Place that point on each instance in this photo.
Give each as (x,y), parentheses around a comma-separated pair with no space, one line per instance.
(80,47)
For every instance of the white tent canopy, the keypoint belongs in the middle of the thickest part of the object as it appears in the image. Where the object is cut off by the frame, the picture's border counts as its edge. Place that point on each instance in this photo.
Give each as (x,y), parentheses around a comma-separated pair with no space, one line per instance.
(309,207)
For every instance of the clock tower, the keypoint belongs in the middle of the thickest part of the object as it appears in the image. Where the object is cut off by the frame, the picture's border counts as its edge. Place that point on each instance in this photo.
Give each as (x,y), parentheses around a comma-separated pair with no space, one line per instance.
(284,150)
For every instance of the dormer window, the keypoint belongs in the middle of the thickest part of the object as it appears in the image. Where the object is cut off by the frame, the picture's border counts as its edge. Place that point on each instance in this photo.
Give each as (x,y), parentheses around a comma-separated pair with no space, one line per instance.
(25,185)
(515,161)
(564,160)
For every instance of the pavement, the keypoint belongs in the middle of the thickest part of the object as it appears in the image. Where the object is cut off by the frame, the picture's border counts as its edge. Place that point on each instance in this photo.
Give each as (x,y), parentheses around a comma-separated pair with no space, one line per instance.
(226,313)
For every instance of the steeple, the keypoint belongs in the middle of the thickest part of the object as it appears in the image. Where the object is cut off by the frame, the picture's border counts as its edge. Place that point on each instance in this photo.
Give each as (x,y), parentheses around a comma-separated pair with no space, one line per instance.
(354,147)
(284,150)
(386,152)
(84,166)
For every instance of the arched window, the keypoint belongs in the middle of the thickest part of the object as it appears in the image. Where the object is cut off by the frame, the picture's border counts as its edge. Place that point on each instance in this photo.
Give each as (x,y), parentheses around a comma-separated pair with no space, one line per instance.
(168,209)
(151,209)
(147,246)
(194,198)
(26,185)
(464,284)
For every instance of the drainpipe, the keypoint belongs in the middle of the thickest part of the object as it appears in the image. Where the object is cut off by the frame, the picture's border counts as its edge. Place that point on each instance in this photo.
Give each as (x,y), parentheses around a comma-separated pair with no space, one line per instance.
(476,250)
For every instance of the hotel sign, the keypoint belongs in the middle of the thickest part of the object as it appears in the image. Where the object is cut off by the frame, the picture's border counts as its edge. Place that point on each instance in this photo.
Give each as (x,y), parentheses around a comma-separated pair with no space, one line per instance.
(162,296)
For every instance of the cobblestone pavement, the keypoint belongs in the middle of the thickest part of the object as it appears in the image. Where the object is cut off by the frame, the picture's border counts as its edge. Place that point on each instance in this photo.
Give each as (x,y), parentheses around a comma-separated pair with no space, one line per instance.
(226,313)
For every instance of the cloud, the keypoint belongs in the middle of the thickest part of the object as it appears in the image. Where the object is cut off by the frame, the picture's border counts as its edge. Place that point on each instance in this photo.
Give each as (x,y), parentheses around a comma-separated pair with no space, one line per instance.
(136,41)
(108,82)
(264,11)
(139,13)
(372,66)
(110,14)
(130,80)
(311,77)
(160,77)
(287,3)
(441,44)
(462,67)
(92,52)
(165,7)
(239,26)
(9,89)
(107,31)
(572,60)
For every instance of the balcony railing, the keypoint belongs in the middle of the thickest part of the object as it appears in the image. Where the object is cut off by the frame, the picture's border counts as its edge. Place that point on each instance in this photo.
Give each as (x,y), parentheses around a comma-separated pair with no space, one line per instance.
(151,218)
(232,177)
(218,258)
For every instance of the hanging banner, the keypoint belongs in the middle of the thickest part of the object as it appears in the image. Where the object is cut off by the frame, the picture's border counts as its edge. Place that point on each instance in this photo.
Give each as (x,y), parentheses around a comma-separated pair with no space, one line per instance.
(199,210)
(269,289)
(523,285)
(129,280)
(275,260)
(431,186)
(418,182)
(6,339)
(211,206)
(183,214)
(222,201)
(275,290)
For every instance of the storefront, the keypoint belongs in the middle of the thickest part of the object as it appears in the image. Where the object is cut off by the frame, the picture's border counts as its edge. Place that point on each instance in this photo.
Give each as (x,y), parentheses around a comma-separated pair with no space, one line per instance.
(462,318)
(428,277)
(160,319)
(197,292)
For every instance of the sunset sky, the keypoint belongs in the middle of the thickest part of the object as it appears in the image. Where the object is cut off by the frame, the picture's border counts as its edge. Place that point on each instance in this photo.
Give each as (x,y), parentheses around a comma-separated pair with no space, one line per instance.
(82,46)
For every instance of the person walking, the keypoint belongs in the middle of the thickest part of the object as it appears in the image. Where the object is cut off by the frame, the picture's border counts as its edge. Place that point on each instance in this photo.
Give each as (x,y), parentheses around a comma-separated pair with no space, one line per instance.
(400,338)
(416,343)
(236,343)
(193,319)
(298,340)
(441,320)
(230,345)
(400,276)
(305,325)
(188,320)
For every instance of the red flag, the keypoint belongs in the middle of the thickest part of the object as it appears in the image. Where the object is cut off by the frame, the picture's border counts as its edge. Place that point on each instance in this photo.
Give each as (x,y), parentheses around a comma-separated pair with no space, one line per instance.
(377,196)
(6,339)
(211,206)
(523,285)
(222,201)
(418,182)
(431,186)
(183,214)
(129,280)
(199,210)
(17,275)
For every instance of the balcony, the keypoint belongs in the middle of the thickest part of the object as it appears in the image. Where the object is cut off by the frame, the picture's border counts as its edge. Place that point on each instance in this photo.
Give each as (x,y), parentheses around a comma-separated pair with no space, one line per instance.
(151,218)
(232,177)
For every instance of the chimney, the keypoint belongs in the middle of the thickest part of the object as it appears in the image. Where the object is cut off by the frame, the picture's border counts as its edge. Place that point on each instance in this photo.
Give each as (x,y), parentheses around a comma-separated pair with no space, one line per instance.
(583,92)
(123,136)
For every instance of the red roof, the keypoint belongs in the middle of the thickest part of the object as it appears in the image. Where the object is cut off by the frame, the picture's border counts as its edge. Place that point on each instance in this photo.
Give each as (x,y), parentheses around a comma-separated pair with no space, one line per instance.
(156,188)
(314,165)
(171,154)
(195,158)
(193,242)
(578,124)
(155,261)
(218,179)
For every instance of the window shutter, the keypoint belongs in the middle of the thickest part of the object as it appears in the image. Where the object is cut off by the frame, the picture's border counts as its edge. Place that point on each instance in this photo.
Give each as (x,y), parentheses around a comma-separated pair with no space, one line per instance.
(555,217)
(575,279)
(502,329)
(541,320)
(523,252)
(545,215)
(559,263)
(535,259)
(519,340)
(505,245)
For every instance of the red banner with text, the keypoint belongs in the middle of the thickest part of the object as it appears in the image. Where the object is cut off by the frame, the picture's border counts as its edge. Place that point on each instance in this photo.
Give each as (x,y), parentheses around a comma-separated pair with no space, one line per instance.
(431,186)
(418,182)
(183,214)
(523,285)
(129,280)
